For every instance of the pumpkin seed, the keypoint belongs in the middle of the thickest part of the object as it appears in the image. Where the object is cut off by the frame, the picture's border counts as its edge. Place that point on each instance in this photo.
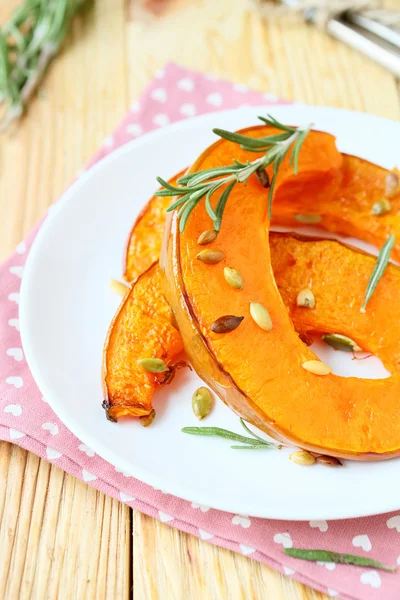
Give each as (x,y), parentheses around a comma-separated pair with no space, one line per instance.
(301,457)
(261,316)
(328,461)
(306,298)
(226,324)
(317,367)
(210,257)
(306,339)
(233,278)
(202,402)
(118,287)
(341,342)
(207,237)
(382,207)
(153,365)
(147,420)
(308,219)
(263,177)
(392,184)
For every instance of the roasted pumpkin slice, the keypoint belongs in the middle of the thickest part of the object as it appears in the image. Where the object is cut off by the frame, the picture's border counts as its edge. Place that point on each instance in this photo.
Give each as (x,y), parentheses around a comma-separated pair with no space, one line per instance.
(261,374)
(141,329)
(299,262)
(144,242)
(361,208)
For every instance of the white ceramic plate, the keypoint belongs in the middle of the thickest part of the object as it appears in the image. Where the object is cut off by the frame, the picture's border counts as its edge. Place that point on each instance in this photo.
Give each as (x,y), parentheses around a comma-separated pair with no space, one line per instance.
(66,307)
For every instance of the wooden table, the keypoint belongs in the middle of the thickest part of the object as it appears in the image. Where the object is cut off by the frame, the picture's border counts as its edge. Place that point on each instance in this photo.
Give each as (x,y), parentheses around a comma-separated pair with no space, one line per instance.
(60,538)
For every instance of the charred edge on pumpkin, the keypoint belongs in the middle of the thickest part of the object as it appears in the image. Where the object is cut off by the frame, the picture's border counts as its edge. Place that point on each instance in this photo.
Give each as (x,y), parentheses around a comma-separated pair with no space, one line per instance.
(107,403)
(278,433)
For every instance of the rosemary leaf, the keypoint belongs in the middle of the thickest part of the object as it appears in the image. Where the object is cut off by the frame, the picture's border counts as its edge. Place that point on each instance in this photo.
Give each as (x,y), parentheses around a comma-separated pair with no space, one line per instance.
(379,269)
(257,437)
(294,159)
(219,210)
(269,120)
(255,447)
(250,443)
(29,40)
(211,174)
(209,208)
(178,202)
(238,138)
(218,432)
(207,181)
(336,557)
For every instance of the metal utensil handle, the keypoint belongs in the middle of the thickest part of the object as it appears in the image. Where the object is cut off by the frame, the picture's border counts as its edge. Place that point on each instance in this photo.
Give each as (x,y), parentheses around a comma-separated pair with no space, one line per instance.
(368,21)
(380,51)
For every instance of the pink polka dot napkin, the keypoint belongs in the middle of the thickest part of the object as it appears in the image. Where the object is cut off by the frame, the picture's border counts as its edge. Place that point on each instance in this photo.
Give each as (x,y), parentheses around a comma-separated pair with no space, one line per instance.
(27,420)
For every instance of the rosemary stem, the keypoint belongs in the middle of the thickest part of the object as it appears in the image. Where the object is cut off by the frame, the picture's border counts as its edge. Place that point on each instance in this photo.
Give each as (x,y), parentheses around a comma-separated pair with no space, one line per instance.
(206,182)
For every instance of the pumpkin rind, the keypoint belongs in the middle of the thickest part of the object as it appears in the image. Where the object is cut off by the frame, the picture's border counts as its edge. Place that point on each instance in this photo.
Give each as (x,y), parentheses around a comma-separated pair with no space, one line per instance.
(141,329)
(259,374)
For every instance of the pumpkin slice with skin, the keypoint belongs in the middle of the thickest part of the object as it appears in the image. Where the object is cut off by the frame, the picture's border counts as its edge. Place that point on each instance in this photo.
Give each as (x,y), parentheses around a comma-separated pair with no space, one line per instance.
(363,185)
(141,329)
(260,373)
(145,239)
(299,262)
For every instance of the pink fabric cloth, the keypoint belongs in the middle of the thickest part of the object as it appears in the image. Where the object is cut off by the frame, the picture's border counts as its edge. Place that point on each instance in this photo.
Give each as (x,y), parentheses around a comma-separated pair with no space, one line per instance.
(27,420)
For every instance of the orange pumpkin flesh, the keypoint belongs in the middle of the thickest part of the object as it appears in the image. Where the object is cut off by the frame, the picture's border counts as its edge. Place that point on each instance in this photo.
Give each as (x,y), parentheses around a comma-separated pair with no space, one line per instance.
(362,185)
(141,329)
(258,373)
(299,262)
(144,242)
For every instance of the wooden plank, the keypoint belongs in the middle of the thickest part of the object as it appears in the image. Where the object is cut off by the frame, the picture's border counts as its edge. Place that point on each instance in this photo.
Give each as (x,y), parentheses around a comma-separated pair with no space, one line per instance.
(60,538)
(177,566)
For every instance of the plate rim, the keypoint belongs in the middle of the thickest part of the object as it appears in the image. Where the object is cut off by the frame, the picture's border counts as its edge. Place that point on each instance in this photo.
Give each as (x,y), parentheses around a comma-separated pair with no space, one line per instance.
(73,424)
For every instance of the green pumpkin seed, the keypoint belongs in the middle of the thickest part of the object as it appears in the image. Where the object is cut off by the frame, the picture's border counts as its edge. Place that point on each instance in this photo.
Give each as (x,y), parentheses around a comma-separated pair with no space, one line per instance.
(261,316)
(210,257)
(308,219)
(233,278)
(202,402)
(382,207)
(226,324)
(153,365)
(392,184)
(341,342)
(306,298)
(301,457)
(147,419)
(207,237)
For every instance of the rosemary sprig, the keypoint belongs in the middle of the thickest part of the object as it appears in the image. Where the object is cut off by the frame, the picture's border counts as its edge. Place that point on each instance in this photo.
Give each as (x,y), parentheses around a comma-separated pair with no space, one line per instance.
(29,40)
(193,187)
(379,269)
(336,557)
(251,443)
